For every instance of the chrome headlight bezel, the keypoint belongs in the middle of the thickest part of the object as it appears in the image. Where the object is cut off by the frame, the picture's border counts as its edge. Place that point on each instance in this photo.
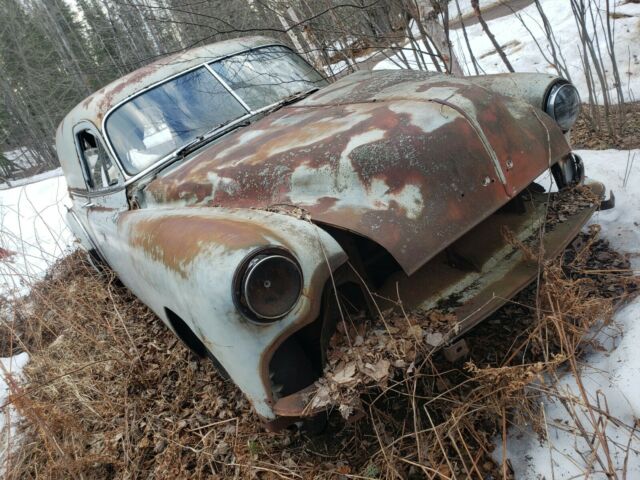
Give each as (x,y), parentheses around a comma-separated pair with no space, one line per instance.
(562,103)
(247,277)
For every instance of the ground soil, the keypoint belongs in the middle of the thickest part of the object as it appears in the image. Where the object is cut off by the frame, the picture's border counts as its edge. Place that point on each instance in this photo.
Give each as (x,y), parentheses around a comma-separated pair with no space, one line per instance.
(626,135)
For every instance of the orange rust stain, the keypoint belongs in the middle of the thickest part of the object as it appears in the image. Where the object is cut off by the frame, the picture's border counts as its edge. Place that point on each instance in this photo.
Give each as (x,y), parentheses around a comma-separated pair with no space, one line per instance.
(176,241)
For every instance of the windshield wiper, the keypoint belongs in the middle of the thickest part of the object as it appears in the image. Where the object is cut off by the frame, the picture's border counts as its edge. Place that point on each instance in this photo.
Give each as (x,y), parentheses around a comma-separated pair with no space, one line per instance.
(200,140)
(207,137)
(294,97)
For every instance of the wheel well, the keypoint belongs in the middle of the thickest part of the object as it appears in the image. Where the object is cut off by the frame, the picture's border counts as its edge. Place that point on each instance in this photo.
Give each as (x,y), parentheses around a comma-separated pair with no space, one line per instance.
(185,334)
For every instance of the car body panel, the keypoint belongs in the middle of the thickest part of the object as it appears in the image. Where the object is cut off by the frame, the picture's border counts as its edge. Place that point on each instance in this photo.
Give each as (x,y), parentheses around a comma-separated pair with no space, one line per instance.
(184,259)
(412,168)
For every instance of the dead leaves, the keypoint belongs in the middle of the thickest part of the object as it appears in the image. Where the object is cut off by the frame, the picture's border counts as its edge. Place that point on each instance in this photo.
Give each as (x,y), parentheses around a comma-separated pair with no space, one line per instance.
(368,354)
(378,371)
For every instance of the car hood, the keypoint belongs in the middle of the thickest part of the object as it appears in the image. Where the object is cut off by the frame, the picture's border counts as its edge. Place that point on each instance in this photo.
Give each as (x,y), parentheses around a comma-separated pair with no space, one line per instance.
(409,160)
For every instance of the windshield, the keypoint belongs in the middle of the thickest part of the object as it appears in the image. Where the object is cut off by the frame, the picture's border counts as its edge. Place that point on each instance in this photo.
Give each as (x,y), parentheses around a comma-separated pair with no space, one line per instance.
(156,123)
(267,75)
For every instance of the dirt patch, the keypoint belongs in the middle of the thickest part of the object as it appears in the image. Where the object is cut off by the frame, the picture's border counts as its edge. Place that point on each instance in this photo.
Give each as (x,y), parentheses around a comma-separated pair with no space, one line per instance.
(626,137)
(111,393)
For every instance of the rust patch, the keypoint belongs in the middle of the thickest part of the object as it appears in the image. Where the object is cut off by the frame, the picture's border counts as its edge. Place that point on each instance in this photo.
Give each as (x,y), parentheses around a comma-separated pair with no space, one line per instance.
(409,161)
(110,92)
(177,240)
(101,208)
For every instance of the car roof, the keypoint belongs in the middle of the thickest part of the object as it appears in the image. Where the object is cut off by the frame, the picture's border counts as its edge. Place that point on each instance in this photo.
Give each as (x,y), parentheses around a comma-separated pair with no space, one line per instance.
(96,106)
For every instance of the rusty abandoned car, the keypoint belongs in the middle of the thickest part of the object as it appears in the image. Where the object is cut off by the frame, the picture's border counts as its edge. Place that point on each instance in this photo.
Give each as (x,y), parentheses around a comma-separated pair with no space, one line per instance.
(241,196)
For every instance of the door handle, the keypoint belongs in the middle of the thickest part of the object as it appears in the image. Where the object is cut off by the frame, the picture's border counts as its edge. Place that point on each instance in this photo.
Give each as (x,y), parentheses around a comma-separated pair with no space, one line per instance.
(88,204)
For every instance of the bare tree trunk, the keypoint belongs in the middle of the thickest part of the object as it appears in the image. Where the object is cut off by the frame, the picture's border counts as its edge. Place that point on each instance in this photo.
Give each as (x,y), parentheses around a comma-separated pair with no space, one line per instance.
(476,8)
(466,40)
(610,43)
(580,13)
(427,16)
(558,59)
(417,51)
(435,57)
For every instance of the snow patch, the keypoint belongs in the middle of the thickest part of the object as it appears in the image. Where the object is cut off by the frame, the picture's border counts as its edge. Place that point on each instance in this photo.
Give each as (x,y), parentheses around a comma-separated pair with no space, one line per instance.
(10,370)
(610,376)
(32,226)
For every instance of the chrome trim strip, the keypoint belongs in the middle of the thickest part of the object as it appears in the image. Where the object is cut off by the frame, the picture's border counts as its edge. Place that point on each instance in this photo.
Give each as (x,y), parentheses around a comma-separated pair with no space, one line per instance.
(226,85)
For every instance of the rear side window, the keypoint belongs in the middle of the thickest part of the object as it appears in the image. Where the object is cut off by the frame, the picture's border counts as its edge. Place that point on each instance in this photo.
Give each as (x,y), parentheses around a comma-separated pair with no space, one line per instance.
(100,171)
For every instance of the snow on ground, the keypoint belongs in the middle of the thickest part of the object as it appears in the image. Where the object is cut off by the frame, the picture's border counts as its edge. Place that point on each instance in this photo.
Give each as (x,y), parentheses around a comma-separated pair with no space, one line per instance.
(8,367)
(611,374)
(619,170)
(524,55)
(32,227)
(610,377)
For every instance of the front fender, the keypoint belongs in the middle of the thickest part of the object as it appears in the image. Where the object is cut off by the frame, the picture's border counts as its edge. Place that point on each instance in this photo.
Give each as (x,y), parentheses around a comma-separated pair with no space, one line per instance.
(185,259)
(533,88)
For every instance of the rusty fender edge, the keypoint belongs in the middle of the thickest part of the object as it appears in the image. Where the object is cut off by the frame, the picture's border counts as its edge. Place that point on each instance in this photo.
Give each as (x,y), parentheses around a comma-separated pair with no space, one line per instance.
(500,285)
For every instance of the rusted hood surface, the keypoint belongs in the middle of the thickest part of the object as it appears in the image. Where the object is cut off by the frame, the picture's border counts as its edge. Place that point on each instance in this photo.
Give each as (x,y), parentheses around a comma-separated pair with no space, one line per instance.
(410,161)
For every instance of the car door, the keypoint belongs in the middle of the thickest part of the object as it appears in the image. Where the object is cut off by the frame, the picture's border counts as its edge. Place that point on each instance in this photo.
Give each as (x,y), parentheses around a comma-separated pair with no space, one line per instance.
(104,198)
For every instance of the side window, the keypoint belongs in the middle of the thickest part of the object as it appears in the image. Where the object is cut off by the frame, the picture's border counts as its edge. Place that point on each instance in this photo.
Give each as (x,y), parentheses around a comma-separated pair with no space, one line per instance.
(100,171)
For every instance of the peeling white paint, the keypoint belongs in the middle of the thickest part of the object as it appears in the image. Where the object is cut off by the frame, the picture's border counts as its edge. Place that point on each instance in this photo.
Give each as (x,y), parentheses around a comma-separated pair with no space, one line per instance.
(422,117)
(308,184)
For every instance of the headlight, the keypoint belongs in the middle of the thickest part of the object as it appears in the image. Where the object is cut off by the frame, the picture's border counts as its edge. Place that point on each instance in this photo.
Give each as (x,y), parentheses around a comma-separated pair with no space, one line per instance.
(268,285)
(563,104)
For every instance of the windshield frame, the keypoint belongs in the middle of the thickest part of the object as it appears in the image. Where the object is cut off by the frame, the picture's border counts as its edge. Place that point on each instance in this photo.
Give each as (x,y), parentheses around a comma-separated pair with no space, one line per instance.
(131,178)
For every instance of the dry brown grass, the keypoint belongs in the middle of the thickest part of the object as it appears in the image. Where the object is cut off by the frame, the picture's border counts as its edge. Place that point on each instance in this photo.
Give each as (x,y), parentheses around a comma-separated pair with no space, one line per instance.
(111,393)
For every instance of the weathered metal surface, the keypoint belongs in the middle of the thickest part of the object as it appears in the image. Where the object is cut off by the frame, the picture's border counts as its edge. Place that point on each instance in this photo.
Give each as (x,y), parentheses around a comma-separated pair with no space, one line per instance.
(486,290)
(297,404)
(184,259)
(411,162)
(530,87)
(456,350)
